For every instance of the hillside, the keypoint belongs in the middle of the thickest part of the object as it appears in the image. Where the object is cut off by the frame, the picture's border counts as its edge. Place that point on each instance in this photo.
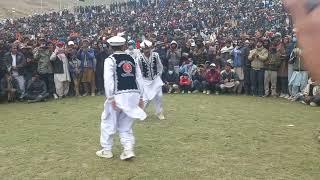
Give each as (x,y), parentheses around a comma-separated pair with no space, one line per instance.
(19,8)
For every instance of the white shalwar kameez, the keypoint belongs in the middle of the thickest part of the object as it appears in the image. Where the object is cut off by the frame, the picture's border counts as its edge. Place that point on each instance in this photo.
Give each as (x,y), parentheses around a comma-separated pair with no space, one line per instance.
(122,81)
(152,69)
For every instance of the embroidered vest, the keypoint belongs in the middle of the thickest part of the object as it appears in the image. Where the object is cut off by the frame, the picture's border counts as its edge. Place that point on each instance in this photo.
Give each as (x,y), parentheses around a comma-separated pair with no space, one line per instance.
(149,69)
(125,74)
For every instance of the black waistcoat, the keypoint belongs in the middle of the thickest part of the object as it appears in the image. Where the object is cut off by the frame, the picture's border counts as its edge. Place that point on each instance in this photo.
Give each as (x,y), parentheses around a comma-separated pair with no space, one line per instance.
(125,75)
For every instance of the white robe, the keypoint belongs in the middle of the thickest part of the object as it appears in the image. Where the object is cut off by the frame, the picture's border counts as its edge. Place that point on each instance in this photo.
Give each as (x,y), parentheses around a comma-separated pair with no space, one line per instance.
(152,88)
(66,75)
(127,102)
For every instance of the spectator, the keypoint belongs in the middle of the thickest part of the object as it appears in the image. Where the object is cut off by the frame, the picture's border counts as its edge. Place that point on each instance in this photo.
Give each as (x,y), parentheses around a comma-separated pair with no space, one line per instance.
(36,90)
(15,63)
(230,79)
(310,94)
(283,70)
(185,83)
(213,80)
(315,99)
(238,54)
(3,68)
(258,57)
(188,67)
(226,53)
(247,68)
(88,64)
(200,53)
(299,78)
(31,65)
(162,51)
(172,82)
(42,56)
(271,70)
(9,88)
(75,72)
(101,57)
(173,56)
(60,70)
(199,79)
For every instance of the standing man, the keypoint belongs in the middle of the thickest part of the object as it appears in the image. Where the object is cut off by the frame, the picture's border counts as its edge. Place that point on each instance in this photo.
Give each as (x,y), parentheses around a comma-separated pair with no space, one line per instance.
(272,66)
(61,70)
(238,54)
(258,57)
(88,66)
(173,56)
(42,55)
(124,103)
(101,56)
(152,69)
(15,63)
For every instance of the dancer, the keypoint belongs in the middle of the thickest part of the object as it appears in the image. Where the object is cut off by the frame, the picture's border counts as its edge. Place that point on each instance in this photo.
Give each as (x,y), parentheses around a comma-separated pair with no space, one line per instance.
(152,69)
(124,103)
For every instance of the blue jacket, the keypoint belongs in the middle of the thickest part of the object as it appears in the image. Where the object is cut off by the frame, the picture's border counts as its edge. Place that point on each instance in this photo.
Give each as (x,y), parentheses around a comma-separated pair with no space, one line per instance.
(238,56)
(88,57)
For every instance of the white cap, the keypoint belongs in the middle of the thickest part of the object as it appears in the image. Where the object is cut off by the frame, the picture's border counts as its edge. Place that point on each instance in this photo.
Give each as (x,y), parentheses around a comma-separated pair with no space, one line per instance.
(145,44)
(116,41)
(212,65)
(247,41)
(173,42)
(131,41)
(229,61)
(70,43)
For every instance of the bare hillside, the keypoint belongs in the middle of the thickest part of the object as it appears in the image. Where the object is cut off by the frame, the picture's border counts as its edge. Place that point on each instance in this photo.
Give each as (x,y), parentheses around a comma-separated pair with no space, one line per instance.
(18,8)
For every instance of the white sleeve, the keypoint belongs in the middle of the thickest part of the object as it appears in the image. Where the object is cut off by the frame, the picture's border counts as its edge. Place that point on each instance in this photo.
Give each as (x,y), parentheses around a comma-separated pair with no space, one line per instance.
(159,65)
(108,78)
(139,77)
(53,56)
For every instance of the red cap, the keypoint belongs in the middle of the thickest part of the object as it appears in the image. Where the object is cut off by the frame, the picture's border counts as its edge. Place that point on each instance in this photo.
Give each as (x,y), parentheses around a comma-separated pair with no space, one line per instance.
(60,44)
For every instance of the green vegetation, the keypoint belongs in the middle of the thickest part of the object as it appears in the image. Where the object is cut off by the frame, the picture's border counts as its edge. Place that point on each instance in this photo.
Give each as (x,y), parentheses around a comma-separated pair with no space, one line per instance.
(204,137)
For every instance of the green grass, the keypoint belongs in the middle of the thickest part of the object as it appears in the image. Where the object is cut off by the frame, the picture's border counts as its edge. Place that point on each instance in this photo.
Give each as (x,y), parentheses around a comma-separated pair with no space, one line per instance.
(204,137)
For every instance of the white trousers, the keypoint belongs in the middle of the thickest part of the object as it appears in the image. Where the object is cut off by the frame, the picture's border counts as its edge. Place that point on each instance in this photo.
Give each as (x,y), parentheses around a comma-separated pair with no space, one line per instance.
(112,122)
(270,77)
(62,87)
(157,100)
(21,83)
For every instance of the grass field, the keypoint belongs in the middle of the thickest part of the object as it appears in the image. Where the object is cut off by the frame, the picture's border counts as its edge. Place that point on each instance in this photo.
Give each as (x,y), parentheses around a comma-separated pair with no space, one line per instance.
(204,137)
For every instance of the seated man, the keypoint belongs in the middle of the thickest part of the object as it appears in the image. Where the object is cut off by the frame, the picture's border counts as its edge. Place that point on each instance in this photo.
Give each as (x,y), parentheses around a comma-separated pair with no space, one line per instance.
(310,94)
(9,88)
(315,99)
(185,83)
(171,82)
(36,90)
(188,67)
(199,79)
(230,79)
(213,80)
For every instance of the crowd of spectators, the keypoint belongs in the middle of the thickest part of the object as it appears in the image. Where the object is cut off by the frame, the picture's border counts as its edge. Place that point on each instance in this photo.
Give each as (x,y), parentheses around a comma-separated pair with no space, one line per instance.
(210,46)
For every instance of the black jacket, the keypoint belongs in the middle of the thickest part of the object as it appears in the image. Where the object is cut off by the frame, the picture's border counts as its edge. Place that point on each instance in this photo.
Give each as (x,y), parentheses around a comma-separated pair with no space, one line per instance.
(20,62)
(57,66)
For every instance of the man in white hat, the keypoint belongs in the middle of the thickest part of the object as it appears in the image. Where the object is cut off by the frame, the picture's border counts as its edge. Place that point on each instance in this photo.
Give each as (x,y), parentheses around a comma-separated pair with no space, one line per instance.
(124,100)
(152,69)
(131,50)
